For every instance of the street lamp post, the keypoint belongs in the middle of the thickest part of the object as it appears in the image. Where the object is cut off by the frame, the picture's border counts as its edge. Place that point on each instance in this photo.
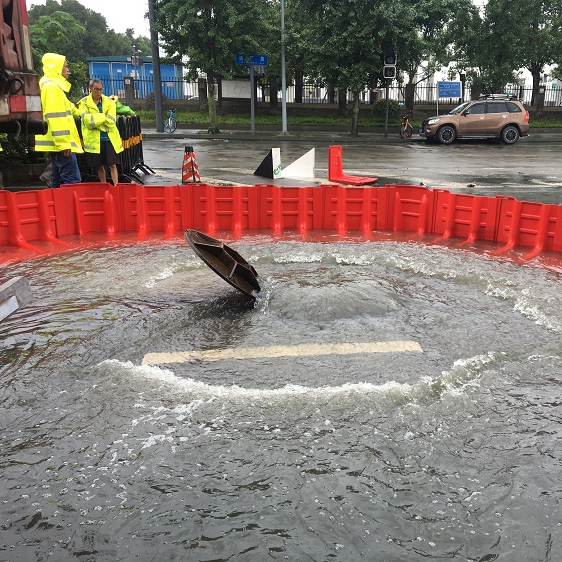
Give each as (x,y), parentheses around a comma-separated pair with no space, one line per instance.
(283,77)
(156,69)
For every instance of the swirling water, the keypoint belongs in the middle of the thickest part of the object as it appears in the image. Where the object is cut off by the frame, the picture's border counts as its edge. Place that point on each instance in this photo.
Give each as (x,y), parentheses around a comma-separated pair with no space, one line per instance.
(453,453)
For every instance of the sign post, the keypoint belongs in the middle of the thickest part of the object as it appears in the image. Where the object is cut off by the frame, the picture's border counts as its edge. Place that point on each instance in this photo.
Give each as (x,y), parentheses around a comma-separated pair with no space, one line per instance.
(252,61)
(448,90)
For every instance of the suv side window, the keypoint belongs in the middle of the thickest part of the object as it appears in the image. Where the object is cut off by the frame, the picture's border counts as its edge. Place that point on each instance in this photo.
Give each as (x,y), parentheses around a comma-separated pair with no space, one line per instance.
(513,107)
(477,109)
(497,107)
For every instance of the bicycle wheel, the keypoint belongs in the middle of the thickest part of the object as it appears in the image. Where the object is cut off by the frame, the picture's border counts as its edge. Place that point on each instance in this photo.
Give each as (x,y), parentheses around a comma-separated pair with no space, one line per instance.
(171,125)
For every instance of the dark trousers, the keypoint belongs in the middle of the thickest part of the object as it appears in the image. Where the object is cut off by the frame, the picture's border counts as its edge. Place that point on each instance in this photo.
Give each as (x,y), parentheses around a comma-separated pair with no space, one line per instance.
(64,169)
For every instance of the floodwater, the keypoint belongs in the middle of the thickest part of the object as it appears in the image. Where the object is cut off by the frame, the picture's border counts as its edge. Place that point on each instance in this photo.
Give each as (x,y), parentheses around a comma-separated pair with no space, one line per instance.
(449,452)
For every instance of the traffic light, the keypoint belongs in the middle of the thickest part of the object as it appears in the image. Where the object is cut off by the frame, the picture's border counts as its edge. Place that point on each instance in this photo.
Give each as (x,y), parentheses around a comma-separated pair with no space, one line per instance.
(389,72)
(390,59)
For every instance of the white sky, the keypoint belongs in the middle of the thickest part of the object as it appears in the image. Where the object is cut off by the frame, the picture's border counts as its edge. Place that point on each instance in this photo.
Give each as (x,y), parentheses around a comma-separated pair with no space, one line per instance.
(119,14)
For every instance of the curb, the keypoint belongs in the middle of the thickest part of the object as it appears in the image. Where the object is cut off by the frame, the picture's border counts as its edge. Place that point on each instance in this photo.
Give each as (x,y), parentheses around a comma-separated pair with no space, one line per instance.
(314,135)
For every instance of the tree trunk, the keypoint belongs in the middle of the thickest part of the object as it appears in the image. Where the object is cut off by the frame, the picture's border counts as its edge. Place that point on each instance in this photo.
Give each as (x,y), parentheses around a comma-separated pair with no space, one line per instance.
(536,74)
(355,116)
(213,123)
(342,101)
(273,91)
(409,96)
(299,86)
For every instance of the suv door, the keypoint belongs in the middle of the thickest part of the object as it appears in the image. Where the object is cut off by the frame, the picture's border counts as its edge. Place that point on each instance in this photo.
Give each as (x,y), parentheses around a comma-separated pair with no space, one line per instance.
(497,115)
(472,120)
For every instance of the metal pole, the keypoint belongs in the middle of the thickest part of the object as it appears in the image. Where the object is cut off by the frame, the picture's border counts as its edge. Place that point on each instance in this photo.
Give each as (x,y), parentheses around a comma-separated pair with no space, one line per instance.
(252,100)
(156,69)
(386,112)
(283,76)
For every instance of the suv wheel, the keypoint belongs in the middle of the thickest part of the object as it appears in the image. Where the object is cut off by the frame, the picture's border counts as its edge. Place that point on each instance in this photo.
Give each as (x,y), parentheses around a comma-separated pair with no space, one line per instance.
(510,134)
(446,134)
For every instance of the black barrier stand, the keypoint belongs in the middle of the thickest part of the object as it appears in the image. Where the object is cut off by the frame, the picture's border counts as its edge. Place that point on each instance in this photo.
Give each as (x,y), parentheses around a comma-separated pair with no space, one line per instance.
(131,159)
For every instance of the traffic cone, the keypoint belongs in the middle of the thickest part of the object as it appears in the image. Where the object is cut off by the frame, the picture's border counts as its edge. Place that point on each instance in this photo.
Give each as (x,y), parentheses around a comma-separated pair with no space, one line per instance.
(190,170)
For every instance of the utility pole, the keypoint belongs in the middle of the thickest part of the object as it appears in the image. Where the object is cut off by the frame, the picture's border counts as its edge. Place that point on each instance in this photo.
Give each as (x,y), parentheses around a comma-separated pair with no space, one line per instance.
(156,69)
(283,76)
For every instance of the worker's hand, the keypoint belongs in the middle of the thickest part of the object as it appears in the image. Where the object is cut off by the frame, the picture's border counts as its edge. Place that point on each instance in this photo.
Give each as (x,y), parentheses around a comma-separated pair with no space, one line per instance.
(66,153)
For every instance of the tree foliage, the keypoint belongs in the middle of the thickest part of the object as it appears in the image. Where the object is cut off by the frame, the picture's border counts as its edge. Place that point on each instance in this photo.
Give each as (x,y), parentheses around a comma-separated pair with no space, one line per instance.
(206,35)
(58,33)
(508,35)
(97,39)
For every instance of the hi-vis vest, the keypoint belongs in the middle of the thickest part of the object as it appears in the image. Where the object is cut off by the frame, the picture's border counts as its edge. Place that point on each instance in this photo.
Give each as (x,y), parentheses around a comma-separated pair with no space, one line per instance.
(93,122)
(57,110)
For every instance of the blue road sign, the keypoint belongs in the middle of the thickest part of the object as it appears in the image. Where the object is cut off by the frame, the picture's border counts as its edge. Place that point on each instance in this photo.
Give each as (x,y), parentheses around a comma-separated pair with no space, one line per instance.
(449,89)
(253,60)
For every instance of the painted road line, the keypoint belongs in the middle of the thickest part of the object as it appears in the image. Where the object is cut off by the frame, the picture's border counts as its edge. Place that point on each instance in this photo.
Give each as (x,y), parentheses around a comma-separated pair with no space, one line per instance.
(282,351)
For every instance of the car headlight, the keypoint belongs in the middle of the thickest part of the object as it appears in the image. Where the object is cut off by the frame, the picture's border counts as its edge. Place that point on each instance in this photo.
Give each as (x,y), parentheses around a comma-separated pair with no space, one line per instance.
(433,121)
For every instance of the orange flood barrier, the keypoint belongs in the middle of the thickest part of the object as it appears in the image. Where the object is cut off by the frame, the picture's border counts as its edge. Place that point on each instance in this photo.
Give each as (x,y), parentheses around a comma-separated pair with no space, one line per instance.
(336,173)
(43,221)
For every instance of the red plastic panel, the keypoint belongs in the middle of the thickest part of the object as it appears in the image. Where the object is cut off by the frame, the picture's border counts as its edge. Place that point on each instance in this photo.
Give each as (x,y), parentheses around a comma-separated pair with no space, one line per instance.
(336,173)
(411,208)
(93,207)
(355,208)
(83,208)
(286,207)
(158,209)
(223,207)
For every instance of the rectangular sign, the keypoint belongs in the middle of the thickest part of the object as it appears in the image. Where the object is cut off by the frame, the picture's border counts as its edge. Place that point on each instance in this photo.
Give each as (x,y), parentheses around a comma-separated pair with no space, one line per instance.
(254,60)
(449,89)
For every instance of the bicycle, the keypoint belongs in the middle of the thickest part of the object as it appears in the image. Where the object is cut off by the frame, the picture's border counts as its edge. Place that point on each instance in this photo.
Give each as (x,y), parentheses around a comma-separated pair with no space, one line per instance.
(171,124)
(405,128)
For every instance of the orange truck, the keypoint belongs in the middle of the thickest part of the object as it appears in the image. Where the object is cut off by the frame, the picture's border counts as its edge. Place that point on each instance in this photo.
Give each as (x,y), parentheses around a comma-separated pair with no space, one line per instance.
(20,99)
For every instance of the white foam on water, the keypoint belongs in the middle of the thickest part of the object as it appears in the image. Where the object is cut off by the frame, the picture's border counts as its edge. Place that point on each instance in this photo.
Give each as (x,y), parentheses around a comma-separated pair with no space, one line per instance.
(164,274)
(464,373)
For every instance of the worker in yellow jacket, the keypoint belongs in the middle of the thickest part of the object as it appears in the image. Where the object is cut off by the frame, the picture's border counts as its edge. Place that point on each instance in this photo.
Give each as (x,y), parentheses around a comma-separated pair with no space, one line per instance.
(102,141)
(62,139)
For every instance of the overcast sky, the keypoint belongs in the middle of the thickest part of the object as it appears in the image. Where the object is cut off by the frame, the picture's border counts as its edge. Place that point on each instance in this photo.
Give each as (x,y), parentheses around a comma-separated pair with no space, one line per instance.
(119,14)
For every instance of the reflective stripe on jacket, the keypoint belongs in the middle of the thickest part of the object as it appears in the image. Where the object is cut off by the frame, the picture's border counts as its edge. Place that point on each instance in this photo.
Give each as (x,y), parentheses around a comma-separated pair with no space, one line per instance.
(93,122)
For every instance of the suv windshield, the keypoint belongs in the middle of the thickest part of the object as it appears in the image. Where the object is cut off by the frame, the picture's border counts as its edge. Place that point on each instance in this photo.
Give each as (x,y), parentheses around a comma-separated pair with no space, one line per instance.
(459,108)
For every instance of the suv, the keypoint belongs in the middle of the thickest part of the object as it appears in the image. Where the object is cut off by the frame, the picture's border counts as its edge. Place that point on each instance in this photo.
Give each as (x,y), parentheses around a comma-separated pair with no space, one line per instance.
(493,116)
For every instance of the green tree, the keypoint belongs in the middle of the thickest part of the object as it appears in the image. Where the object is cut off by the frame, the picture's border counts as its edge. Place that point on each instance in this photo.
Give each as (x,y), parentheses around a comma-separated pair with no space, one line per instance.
(58,33)
(422,41)
(491,46)
(346,47)
(98,39)
(541,39)
(206,35)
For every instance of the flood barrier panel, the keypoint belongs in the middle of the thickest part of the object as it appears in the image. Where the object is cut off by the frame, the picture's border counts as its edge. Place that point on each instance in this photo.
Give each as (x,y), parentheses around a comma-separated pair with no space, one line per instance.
(51,214)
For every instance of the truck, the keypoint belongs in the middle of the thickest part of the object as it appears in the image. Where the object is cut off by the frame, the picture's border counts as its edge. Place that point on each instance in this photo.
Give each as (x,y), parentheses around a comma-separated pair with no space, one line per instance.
(20,98)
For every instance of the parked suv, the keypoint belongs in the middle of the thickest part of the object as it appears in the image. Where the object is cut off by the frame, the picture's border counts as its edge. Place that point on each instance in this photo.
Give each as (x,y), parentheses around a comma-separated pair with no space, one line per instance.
(493,116)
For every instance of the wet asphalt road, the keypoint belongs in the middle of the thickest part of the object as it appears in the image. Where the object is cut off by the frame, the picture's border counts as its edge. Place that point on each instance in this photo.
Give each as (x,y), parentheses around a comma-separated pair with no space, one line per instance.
(530,170)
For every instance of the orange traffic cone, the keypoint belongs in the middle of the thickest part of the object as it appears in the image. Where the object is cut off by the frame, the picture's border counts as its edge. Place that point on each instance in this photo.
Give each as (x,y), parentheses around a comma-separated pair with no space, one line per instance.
(190,170)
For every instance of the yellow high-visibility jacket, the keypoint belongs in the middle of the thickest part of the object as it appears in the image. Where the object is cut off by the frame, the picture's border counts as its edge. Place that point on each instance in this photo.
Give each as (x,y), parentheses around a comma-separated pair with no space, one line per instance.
(58,111)
(94,121)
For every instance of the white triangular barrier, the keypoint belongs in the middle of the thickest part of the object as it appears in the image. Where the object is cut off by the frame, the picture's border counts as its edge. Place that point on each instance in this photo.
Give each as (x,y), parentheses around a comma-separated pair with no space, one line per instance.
(14,294)
(302,167)
(271,165)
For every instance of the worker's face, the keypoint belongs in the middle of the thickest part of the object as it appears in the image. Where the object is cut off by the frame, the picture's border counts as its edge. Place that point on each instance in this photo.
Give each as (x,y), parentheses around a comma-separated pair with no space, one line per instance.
(65,71)
(96,90)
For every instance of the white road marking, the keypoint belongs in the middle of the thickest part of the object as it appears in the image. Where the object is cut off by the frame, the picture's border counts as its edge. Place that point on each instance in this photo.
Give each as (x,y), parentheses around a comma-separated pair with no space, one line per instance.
(282,351)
